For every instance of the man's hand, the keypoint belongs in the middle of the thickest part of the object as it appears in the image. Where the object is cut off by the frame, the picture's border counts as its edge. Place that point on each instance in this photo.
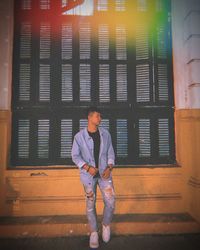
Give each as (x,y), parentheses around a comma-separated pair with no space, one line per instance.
(93,171)
(107,171)
(90,169)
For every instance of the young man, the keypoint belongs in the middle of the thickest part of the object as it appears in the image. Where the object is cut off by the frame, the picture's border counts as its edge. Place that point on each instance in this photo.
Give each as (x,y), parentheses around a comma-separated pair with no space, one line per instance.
(93,153)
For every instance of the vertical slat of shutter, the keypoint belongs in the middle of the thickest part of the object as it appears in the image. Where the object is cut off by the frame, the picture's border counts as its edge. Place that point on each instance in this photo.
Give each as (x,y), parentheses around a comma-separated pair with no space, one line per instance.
(26,4)
(121,71)
(25,40)
(162,82)
(120,5)
(67,82)
(85,82)
(121,53)
(44,82)
(66,138)
(43,138)
(44,4)
(83,123)
(102,5)
(104,83)
(142,5)
(103,41)
(105,123)
(45,40)
(24,82)
(142,83)
(122,138)
(67,41)
(85,40)
(23,138)
(163,133)
(142,42)
(144,138)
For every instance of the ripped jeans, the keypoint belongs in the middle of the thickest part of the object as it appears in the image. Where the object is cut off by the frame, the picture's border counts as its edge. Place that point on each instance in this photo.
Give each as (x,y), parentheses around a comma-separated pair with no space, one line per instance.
(107,190)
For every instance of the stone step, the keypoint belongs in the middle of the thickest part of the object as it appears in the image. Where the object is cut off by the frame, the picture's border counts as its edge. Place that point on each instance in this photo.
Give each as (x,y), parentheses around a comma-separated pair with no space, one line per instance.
(67,225)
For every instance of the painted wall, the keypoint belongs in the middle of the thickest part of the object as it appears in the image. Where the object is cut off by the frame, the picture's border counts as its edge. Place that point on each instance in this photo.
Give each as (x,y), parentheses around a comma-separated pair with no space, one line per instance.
(186,59)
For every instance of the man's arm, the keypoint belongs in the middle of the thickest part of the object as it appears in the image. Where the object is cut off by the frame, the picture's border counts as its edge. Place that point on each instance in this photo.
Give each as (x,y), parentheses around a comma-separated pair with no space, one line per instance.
(111,153)
(78,160)
(76,154)
(111,159)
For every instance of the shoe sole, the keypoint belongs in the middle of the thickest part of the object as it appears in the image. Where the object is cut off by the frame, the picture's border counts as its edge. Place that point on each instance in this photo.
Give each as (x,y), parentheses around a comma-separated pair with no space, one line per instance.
(106,241)
(94,247)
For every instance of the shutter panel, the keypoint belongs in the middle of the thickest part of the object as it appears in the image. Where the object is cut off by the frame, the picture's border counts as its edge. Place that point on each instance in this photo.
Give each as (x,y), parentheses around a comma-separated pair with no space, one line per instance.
(44,4)
(122,137)
(66,138)
(25,40)
(163,133)
(24,82)
(142,83)
(142,42)
(67,82)
(121,53)
(102,5)
(144,138)
(26,4)
(103,41)
(83,123)
(162,82)
(121,79)
(45,40)
(85,40)
(120,5)
(67,41)
(85,82)
(105,123)
(162,40)
(44,82)
(23,138)
(104,83)
(43,138)
(142,5)
(159,5)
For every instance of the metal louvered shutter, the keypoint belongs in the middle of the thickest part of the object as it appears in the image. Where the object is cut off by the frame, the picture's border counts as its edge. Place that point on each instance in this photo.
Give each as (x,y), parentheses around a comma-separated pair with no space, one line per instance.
(67,60)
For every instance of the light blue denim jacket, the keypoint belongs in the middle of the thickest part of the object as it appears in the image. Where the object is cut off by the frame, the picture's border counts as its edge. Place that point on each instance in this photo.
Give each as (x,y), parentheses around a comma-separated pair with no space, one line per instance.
(83,152)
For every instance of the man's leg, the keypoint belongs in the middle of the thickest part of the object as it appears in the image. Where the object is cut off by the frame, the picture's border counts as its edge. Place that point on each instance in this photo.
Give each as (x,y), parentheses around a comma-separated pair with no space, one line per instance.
(108,193)
(90,193)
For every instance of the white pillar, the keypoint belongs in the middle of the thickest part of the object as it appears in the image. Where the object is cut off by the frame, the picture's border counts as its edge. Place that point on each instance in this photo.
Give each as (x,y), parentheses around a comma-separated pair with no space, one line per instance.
(186,53)
(6,47)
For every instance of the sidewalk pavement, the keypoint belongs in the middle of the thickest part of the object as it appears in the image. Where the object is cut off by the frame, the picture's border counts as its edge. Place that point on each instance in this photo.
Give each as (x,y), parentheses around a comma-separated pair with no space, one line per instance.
(125,242)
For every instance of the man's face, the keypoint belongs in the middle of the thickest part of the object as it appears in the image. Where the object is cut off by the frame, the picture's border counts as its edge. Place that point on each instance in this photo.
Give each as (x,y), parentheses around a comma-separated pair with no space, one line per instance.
(94,118)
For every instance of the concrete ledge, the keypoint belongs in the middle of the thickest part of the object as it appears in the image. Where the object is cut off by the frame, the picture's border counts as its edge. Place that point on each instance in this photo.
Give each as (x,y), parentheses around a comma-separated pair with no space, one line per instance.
(64,225)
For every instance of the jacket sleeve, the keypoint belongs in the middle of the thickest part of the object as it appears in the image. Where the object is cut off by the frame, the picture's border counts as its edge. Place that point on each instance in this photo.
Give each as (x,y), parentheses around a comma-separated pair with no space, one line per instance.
(111,153)
(76,153)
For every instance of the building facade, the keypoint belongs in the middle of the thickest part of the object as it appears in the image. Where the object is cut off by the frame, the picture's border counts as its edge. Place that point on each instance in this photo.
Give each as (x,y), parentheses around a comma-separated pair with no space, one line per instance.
(150,189)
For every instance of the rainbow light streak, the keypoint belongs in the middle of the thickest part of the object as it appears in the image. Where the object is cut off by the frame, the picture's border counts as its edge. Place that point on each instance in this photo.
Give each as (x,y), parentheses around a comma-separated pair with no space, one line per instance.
(132,14)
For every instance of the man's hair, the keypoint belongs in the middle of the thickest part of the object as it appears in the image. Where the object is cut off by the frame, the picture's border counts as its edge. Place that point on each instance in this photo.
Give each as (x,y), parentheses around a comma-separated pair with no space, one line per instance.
(92,109)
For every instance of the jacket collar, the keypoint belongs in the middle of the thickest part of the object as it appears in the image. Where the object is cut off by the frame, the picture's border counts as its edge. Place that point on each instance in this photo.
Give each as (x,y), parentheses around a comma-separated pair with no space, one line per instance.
(88,136)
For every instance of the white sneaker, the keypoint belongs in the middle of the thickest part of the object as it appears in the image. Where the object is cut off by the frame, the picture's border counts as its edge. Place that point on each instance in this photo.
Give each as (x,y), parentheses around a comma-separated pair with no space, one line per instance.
(94,240)
(106,233)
